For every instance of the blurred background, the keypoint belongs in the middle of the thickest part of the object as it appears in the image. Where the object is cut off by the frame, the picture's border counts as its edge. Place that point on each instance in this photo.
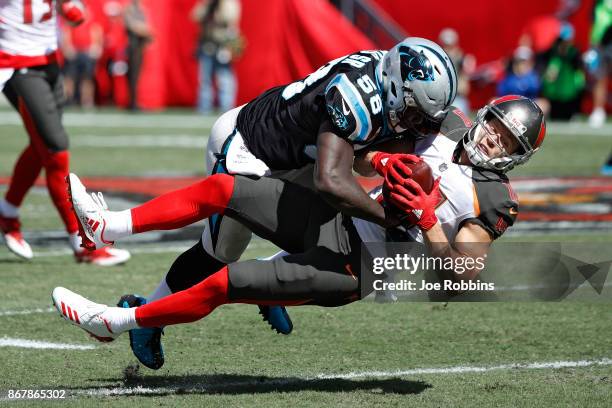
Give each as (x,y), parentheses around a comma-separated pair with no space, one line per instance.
(214,54)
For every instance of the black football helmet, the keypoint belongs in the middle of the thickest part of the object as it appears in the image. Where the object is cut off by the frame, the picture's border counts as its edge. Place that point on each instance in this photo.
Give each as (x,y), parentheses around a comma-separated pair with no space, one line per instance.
(525,121)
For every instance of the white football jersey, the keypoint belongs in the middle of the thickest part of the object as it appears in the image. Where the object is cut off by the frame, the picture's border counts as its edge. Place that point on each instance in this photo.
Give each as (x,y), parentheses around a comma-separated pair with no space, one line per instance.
(469,193)
(28,32)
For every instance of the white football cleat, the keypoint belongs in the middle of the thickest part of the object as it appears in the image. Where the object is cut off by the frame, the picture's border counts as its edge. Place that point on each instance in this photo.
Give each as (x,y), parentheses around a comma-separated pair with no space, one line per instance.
(84,313)
(11,228)
(90,211)
(103,256)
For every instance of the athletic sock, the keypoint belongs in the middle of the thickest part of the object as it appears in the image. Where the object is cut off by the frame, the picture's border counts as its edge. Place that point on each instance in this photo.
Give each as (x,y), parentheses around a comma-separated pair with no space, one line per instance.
(118,225)
(185,206)
(26,171)
(121,319)
(188,305)
(160,292)
(75,241)
(8,210)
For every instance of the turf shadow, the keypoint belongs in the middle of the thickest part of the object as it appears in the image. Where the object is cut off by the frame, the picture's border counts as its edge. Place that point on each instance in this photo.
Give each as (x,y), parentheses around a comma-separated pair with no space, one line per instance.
(233,384)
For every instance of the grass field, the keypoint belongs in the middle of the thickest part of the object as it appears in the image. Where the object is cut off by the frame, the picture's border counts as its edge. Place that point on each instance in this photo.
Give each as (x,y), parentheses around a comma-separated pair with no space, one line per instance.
(364,354)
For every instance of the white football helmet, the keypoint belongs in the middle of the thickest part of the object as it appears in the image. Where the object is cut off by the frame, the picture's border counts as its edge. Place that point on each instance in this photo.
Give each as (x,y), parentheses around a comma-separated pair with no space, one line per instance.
(419,84)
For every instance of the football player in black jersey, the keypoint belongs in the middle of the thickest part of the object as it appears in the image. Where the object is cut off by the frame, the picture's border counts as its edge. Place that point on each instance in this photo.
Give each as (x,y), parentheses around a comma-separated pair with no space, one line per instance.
(324,267)
(347,104)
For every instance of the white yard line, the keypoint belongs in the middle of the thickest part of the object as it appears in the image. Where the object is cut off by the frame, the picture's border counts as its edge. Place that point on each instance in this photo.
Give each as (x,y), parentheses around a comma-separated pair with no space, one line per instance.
(122,120)
(26,311)
(471,369)
(137,250)
(281,382)
(44,345)
(176,141)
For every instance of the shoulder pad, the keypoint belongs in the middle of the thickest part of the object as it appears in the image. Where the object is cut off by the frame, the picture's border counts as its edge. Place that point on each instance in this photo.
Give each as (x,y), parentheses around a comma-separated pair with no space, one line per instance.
(456,124)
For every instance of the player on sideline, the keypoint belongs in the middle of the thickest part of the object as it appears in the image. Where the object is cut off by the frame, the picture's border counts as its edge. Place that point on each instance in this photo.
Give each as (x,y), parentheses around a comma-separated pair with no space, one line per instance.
(349,103)
(471,202)
(30,78)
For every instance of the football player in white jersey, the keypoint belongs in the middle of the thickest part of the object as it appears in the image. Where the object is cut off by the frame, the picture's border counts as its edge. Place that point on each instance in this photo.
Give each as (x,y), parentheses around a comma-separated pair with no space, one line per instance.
(471,202)
(30,78)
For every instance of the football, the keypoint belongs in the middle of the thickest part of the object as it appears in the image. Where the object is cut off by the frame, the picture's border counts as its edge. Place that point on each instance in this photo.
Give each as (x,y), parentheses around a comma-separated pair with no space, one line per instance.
(421,173)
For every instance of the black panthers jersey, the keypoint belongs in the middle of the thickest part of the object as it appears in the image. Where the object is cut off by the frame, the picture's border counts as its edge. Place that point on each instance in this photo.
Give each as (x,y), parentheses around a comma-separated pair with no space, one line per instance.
(278,125)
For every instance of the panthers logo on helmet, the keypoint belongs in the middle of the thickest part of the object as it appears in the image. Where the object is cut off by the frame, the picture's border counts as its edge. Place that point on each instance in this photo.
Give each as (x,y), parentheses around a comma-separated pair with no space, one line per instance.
(415,65)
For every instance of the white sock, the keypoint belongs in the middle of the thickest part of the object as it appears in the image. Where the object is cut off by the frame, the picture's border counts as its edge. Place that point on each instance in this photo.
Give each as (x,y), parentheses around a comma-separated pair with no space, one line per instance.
(121,319)
(118,225)
(75,242)
(161,291)
(8,210)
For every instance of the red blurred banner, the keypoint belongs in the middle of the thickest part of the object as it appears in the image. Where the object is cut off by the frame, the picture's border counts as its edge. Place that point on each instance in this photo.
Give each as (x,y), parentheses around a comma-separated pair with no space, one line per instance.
(287,39)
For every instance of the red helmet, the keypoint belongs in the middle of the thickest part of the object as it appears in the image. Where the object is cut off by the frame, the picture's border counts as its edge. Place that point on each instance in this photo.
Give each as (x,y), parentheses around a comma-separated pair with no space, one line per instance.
(523,119)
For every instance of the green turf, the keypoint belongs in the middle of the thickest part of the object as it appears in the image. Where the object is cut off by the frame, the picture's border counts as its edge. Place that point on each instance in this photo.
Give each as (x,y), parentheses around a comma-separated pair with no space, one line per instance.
(113,161)
(564,155)
(234,346)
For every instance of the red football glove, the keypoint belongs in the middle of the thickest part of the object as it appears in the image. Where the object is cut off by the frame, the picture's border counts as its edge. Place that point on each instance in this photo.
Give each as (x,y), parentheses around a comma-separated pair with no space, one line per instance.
(73,12)
(419,207)
(395,162)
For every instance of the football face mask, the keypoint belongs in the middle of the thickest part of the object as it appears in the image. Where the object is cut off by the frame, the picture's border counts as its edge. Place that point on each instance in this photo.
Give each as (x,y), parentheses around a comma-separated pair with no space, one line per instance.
(499,140)
(413,120)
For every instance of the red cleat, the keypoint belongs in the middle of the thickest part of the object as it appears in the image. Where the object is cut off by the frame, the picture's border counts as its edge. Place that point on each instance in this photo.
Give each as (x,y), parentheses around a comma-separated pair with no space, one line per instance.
(103,256)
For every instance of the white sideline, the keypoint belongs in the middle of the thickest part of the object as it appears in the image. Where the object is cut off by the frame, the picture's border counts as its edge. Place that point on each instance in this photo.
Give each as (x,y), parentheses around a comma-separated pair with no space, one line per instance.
(140,390)
(35,344)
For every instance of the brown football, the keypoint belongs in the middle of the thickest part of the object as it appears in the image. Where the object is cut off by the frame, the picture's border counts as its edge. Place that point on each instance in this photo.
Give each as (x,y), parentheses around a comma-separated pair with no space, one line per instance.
(421,173)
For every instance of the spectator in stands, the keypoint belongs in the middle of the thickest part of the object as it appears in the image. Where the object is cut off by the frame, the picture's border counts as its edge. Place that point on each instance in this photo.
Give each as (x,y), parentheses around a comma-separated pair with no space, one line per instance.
(219,44)
(464,64)
(139,34)
(601,64)
(522,79)
(81,47)
(563,79)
